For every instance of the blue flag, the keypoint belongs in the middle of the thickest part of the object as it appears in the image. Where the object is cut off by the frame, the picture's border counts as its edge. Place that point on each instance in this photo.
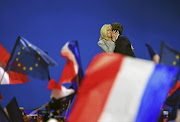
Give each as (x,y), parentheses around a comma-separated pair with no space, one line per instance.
(14,111)
(170,57)
(3,116)
(151,50)
(28,59)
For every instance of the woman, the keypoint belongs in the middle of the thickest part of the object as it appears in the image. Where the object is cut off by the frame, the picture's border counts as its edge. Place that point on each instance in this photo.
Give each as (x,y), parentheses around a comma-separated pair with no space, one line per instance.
(107,38)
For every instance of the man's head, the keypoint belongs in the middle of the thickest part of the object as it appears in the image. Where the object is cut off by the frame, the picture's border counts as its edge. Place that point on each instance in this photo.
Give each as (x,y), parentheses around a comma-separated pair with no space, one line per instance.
(118,27)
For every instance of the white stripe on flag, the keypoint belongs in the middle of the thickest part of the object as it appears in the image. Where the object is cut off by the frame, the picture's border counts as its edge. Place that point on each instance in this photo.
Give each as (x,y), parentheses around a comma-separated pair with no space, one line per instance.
(66,52)
(5,79)
(123,104)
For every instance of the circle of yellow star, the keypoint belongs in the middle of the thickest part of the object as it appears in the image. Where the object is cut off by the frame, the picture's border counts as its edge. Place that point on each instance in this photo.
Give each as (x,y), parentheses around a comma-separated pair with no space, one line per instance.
(23,48)
(19,64)
(19,53)
(30,68)
(35,47)
(17,59)
(36,65)
(177,56)
(39,58)
(174,63)
(24,68)
(29,45)
(38,52)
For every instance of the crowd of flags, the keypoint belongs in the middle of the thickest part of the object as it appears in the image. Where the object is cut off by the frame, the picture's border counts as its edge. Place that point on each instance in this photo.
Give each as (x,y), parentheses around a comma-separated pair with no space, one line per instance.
(114,87)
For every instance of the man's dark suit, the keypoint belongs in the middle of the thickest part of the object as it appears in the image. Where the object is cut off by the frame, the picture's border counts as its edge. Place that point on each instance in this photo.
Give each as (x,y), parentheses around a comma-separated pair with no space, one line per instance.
(123,46)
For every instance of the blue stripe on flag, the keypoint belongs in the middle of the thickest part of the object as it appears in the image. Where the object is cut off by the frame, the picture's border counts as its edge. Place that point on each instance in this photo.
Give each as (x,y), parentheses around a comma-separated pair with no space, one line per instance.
(155,93)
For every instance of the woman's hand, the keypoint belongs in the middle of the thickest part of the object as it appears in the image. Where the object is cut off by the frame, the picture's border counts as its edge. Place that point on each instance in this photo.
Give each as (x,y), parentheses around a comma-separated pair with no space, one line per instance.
(114,35)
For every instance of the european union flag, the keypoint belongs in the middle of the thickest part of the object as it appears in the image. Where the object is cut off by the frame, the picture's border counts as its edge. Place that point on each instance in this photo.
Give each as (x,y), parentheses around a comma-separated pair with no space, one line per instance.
(28,59)
(62,103)
(170,57)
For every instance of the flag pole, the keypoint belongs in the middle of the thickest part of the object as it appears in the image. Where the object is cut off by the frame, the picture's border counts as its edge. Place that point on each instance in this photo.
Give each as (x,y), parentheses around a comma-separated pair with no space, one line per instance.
(161,50)
(12,53)
(67,109)
(2,77)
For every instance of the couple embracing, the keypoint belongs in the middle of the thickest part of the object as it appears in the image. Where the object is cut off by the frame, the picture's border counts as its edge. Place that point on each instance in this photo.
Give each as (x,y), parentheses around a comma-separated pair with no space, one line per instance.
(112,40)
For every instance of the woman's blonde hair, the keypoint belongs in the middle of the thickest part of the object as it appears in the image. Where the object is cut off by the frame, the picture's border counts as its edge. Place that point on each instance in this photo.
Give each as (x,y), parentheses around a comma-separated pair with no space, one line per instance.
(103,31)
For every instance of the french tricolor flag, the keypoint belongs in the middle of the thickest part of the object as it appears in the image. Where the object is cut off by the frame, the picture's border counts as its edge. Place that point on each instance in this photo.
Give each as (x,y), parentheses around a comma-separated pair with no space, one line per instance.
(117,88)
(73,68)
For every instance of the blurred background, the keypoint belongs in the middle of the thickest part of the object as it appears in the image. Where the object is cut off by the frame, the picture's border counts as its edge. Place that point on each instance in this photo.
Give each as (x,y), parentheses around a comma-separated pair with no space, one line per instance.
(50,24)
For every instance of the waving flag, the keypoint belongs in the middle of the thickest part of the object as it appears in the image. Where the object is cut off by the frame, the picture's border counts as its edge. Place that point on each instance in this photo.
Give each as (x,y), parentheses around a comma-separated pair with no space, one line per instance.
(28,59)
(154,56)
(61,97)
(3,116)
(151,50)
(73,68)
(58,91)
(14,111)
(118,88)
(4,56)
(10,77)
(0,97)
(170,57)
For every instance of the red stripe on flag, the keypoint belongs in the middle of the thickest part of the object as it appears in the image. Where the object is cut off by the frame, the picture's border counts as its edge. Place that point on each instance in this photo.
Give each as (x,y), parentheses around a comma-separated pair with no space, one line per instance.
(53,85)
(0,97)
(4,56)
(68,73)
(95,87)
(177,86)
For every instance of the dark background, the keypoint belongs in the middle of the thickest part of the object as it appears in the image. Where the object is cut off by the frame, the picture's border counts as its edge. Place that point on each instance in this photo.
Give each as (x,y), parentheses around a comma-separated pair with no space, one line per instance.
(49,24)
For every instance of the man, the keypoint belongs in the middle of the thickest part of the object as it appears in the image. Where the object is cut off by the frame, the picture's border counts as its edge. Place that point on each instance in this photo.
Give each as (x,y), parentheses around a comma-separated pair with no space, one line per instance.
(122,43)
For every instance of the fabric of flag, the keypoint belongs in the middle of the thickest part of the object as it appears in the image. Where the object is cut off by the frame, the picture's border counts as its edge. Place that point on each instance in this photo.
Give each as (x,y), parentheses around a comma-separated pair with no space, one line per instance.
(62,103)
(9,77)
(59,91)
(151,50)
(0,97)
(73,68)
(173,101)
(170,57)
(3,116)
(53,85)
(118,88)
(28,59)
(4,56)
(14,111)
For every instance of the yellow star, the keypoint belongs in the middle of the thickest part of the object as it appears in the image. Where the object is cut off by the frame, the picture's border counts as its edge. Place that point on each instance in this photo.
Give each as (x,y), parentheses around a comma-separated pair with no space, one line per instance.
(23,48)
(177,56)
(24,68)
(38,52)
(29,45)
(39,58)
(174,63)
(19,53)
(19,64)
(36,65)
(35,47)
(17,59)
(30,68)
